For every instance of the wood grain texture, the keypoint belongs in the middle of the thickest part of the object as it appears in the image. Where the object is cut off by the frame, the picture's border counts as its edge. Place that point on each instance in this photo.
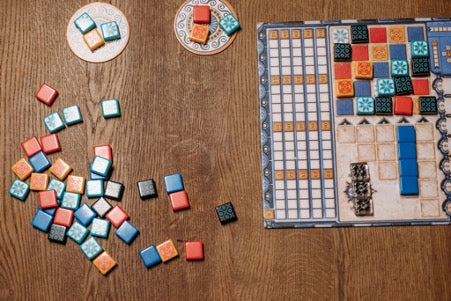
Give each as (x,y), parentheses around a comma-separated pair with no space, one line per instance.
(198,116)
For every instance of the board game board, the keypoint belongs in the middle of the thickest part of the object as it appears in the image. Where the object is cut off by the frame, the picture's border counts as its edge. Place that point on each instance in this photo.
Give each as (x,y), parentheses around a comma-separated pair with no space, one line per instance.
(355,116)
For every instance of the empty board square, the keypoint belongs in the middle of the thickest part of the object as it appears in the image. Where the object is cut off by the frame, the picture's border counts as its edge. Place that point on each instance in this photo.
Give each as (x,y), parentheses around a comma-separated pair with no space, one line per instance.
(71,200)
(365,105)
(42,221)
(50,144)
(46,94)
(53,122)
(173,183)
(403,105)
(101,207)
(420,86)
(407,150)
(415,33)
(147,189)
(419,49)
(385,87)
(77,232)
(399,68)
(114,190)
(91,248)
(167,251)
(398,52)
(100,227)
(31,146)
(94,188)
(378,35)
(194,250)
(229,24)
(345,106)
(360,53)
(359,34)
(47,199)
(19,189)
(85,214)
(226,213)
(58,186)
(340,35)
(93,39)
(383,105)
(408,185)
(403,85)
(110,31)
(39,181)
(60,169)
(100,166)
(342,52)
(22,169)
(72,115)
(362,88)
(39,162)
(117,216)
(420,66)
(201,14)
(110,108)
(104,263)
(57,234)
(150,256)
(84,23)
(428,105)
(127,232)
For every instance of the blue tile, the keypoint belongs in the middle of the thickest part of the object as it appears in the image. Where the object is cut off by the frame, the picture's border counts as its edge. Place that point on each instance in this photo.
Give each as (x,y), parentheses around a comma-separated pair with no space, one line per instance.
(408,167)
(39,162)
(408,185)
(398,52)
(362,88)
(127,232)
(380,69)
(407,150)
(42,221)
(345,107)
(415,33)
(405,133)
(84,214)
(173,183)
(150,256)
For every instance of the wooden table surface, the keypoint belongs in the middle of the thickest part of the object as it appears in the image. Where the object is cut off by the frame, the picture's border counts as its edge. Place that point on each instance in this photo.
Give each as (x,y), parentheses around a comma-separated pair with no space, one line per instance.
(198,116)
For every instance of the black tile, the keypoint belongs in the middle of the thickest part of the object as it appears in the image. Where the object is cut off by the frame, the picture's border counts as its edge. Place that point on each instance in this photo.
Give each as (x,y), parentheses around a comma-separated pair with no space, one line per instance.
(403,85)
(420,66)
(114,190)
(342,52)
(226,213)
(359,34)
(428,105)
(147,189)
(57,234)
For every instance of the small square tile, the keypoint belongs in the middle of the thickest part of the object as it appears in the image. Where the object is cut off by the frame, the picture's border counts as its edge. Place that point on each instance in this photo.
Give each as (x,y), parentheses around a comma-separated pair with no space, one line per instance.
(93,39)
(114,190)
(100,166)
(415,33)
(399,68)
(150,256)
(385,133)
(359,34)
(22,169)
(173,183)
(344,88)
(100,227)
(85,214)
(63,217)
(405,133)
(380,69)
(47,199)
(387,170)
(408,185)
(419,49)
(194,250)
(57,234)
(420,66)
(110,108)
(420,86)
(378,35)
(19,189)
(71,200)
(403,105)
(46,94)
(104,151)
(396,34)
(110,31)
(101,207)
(365,133)
(53,122)
(342,71)
(342,52)
(386,152)
(60,169)
(84,23)
(385,87)
(104,263)
(379,52)
(199,33)
(127,232)
(340,35)
(75,184)
(77,232)
(167,251)
(42,221)
(365,105)
(383,105)
(72,115)
(50,144)
(345,106)
(94,189)
(58,186)
(179,200)
(407,150)
(398,52)
(39,162)
(403,85)
(362,88)
(229,24)
(39,181)
(91,248)
(226,213)
(147,189)
(117,216)
(366,152)
(201,14)
(428,105)
(360,53)
(363,70)
(31,146)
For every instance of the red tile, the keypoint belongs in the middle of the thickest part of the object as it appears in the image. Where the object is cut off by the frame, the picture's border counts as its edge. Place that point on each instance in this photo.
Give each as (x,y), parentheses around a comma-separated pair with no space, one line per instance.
(47,199)
(63,217)
(360,53)
(46,94)
(104,151)
(420,86)
(179,200)
(201,14)
(116,216)
(50,143)
(403,105)
(194,250)
(342,70)
(31,146)
(378,35)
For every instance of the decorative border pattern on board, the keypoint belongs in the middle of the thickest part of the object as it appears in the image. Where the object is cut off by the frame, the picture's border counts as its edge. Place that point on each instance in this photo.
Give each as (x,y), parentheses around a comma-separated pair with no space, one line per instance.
(265,126)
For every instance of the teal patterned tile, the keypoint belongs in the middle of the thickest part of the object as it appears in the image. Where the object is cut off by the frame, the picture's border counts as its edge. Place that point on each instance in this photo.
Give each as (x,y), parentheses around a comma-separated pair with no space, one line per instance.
(419,49)
(399,68)
(72,115)
(110,31)
(385,87)
(71,200)
(53,122)
(77,232)
(229,24)
(100,227)
(58,186)
(19,189)
(365,105)
(91,248)
(340,35)
(84,23)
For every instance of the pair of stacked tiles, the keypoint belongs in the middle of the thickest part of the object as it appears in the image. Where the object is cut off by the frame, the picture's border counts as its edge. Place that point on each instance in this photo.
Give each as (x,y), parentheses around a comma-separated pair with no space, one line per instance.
(385,87)
(91,36)
(201,18)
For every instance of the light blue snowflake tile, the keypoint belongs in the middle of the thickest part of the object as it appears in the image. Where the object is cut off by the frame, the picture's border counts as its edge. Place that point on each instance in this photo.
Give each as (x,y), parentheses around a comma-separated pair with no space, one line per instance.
(58,186)
(72,115)
(110,108)
(71,200)
(84,23)
(19,190)
(385,87)
(340,35)
(100,166)
(100,227)
(77,232)
(399,68)
(91,248)
(229,24)
(94,188)
(419,49)
(110,31)
(53,122)
(365,105)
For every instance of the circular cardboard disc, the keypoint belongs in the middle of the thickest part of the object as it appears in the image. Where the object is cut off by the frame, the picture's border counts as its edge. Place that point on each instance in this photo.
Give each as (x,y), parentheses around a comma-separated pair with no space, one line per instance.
(100,13)
(218,40)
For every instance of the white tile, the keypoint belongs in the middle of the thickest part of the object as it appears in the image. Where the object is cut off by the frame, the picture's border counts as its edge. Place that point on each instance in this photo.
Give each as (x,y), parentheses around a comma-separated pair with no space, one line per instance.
(275,98)
(278,165)
(276,108)
(274,52)
(312,116)
(322,69)
(321,51)
(298,89)
(286,70)
(276,117)
(309,70)
(278,153)
(287,97)
(309,61)
(280,194)
(275,89)
(284,43)
(273,43)
(280,214)
(308,42)
(274,62)
(297,70)
(296,43)
(313,135)
(321,42)
(297,61)
(285,52)
(300,116)
(314,164)
(288,107)
(286,61)
(321,60)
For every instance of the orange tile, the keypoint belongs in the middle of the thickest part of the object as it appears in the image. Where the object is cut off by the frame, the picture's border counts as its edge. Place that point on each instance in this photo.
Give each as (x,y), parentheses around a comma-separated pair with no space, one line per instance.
(93,39)
(199,33)
(344,88)
(39,181)
(75,184)
(167,250)
(397,34)
(379,52)
(22,169)
(363,70)
(104,263)
(60,169)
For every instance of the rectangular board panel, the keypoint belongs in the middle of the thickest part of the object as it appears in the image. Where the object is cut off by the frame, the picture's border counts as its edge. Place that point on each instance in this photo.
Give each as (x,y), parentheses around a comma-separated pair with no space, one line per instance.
(338,100)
